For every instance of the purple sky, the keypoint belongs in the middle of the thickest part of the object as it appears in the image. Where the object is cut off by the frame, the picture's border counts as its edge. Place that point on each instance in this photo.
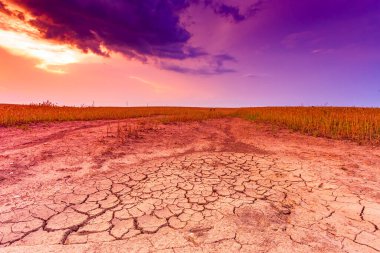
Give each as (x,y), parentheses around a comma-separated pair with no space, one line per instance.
(191,52)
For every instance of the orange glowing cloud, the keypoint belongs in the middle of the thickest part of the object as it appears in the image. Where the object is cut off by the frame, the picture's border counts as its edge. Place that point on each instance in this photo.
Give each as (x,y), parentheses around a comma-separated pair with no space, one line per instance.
(20,38)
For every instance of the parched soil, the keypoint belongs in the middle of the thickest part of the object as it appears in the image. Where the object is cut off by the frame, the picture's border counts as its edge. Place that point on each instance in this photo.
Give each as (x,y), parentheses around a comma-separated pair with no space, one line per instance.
(225,185)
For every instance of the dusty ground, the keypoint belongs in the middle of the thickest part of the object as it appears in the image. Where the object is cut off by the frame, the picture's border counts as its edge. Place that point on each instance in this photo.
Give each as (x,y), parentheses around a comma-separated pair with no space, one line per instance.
(217,186)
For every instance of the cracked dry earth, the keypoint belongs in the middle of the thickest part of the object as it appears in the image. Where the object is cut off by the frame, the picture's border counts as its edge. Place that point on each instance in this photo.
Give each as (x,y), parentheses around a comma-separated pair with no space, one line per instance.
(213,186)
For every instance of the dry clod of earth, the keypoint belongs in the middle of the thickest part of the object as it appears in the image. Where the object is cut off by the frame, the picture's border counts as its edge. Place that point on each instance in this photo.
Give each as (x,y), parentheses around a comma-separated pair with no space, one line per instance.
(223,185)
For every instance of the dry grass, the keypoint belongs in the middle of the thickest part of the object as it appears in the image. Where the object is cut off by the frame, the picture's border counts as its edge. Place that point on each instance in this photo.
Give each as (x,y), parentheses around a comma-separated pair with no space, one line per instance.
(12,115)
(358,124)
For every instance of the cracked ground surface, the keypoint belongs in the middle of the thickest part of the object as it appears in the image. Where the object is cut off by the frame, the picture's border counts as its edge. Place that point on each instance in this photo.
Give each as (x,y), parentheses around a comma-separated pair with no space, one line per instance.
(216,186)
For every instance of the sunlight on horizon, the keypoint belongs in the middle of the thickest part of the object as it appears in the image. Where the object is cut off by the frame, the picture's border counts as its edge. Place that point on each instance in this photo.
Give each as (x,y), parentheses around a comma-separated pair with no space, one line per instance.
(19,38)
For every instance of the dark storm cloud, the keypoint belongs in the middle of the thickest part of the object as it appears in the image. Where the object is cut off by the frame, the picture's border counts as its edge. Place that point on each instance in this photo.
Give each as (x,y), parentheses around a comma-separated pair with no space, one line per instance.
(235,12)
(215,66)
(136,28)
(232,11)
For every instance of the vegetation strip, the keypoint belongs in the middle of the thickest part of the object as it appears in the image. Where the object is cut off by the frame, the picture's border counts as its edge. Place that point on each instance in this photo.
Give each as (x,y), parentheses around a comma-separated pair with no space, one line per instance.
(357,124)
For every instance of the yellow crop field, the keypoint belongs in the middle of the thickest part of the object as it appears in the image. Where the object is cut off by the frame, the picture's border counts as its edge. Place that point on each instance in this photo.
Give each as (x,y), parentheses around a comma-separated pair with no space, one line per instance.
(11,115)
(357,124)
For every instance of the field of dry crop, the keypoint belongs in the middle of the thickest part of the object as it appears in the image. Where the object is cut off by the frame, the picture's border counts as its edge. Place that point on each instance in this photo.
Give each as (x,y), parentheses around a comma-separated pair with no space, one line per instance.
(357,124)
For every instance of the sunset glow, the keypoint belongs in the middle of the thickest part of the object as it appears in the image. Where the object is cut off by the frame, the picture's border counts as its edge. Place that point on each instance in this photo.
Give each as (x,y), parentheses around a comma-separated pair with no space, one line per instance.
(22,39)
(222,52)
(50,57)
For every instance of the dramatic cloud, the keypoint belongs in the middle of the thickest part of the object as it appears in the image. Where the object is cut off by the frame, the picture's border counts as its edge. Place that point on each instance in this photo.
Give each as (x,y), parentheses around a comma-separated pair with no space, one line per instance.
(210,65)
(21,39)
(234,12)
(137,29)
(4,9)
(15,13)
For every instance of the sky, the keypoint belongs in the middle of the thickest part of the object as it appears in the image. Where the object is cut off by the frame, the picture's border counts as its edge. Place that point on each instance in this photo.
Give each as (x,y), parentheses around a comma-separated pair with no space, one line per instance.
(214,53)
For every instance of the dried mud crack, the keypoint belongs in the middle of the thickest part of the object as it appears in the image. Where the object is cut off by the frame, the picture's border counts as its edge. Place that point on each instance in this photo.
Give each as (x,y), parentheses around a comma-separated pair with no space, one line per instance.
(255,198)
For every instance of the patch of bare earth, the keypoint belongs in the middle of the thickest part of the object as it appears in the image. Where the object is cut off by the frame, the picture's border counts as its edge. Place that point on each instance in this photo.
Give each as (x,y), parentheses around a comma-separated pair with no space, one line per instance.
(216,186)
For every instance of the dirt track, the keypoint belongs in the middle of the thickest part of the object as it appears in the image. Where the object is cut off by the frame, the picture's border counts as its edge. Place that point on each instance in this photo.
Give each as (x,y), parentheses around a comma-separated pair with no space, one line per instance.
(217,186)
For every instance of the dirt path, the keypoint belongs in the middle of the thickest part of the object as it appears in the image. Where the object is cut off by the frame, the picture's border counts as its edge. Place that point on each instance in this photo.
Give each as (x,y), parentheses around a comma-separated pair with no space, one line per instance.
(217,186)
